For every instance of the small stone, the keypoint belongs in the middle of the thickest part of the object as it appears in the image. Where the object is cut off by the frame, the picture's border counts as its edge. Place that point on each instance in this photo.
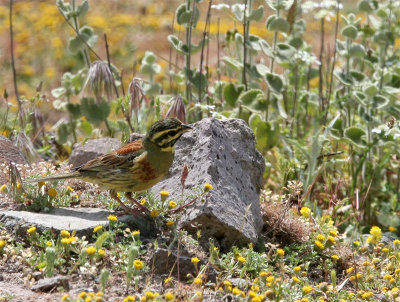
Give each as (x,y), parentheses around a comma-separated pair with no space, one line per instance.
(47,284)
(92,149)
(165,261)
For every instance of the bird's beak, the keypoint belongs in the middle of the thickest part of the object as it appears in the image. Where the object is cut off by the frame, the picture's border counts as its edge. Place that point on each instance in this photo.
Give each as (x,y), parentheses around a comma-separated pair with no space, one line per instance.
(186,128)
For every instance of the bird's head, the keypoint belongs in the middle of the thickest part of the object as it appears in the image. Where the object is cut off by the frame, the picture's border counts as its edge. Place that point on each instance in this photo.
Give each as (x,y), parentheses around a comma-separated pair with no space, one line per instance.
(164,133)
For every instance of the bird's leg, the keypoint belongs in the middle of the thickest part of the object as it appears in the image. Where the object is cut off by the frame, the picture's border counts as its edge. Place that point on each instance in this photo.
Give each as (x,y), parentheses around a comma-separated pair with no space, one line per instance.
(142,207)
(126,209)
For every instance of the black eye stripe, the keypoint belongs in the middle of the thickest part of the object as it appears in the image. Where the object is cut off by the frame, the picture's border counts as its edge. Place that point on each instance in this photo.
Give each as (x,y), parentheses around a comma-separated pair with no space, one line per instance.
(169,134)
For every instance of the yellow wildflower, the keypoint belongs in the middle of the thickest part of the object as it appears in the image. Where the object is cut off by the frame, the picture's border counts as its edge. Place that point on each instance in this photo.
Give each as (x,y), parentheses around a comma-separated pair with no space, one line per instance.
(392,229)
(65,233)
(164,194)
(167,280)
(396,242)
(197,281)
(91,250)
(305,211)
(169,296)
(101,252)
(154,213)
(320,237)
(356,243)
(112,218)
(135,233)
(335,257)
(170,223)
(150,295)
(137,264)
(71,189)
(295,279)
(64,298)
(143,202)
(241,259)
(376,231)
(297,268)
(19,186)
(172,204)
(307,289)
(319,244)
(195,260)
(98,228)
(333,233)
(3,189)
(280,252)
(129,298)
(2,243)
(31,230)
(208,187)
(236,291)
(49,243)
(52,192)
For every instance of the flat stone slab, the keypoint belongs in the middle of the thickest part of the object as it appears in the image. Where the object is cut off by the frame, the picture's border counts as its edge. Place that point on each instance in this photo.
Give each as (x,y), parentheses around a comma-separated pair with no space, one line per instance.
(81,220)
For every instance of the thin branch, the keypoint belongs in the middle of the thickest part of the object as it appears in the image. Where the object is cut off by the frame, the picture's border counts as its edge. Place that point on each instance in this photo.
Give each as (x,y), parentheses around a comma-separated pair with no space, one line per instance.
(20,110)
(79,36)
(203,45)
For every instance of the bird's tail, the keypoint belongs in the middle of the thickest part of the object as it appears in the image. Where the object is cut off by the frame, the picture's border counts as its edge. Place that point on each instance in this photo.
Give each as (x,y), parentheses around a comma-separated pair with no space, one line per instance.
(54,177)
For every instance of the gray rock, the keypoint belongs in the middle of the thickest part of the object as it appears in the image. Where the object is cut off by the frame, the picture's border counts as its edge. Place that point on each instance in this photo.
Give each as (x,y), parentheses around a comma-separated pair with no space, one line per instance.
(81,220)
(9,153)
(48,284)
(93,148)
(222,153)
(165,262)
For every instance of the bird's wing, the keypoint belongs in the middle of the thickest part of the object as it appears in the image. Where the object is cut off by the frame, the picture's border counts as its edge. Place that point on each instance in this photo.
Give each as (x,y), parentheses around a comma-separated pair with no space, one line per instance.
(122,158)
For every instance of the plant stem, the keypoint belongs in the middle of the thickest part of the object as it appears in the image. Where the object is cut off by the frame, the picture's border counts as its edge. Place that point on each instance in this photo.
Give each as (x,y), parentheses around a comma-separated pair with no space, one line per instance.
(245,34)
(14,73)
(333,62)
(188,56)
(202,49)
(321,55)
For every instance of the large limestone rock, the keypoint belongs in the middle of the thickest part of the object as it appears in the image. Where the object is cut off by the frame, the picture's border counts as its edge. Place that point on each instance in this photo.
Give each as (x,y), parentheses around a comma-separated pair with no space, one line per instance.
(91,149)
(222,153)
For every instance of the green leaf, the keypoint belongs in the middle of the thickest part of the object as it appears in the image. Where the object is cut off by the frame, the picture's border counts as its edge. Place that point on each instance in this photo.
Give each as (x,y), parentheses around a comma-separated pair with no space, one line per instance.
(58,92)
(256,14)
(63,132)
(82,9)
(357,76)
(274,82)
(74,110)
(365,6)
(279,24)
(355,135)
(357,50)
(78,43)
(280,4)
(379,101)
(184,15)
(101,239)
(175,42)
(262,69)
(253,98)
(350,31)
(232,92)
(238,11)
(95,112)
(232,63)
(371,89)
